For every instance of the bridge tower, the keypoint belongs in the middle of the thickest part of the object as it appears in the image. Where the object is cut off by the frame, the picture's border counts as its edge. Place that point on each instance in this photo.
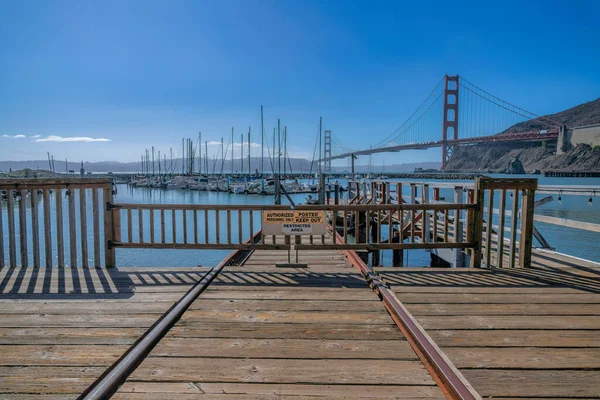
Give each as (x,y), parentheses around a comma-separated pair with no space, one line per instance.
(450,119)
(327,155)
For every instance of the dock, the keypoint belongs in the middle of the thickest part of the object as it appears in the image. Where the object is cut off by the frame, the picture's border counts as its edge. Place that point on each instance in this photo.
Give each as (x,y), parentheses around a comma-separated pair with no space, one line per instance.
(262,331)
(294,316)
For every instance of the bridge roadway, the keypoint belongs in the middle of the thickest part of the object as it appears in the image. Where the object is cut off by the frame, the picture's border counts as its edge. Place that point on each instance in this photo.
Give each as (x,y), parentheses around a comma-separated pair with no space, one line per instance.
(265,332)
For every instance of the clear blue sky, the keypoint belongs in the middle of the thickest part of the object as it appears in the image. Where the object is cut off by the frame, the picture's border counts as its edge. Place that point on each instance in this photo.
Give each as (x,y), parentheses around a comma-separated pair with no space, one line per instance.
(142,73)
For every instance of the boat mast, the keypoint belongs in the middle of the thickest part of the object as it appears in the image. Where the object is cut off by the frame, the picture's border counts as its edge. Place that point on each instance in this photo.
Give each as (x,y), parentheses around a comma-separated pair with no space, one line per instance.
(242,154)
(279,147)
(159,172)
(222,156)
(199,153)
(284,152)
(249,161)
(320,127)
(232,151)
(205,154)
(262,143)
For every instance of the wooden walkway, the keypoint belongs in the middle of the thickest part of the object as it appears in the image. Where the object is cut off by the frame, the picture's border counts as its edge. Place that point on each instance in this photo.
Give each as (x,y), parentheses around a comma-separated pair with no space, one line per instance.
(265,332)
(527,333)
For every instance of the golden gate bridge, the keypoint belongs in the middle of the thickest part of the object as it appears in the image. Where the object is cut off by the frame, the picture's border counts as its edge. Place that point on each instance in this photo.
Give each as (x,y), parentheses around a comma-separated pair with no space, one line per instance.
(464,114)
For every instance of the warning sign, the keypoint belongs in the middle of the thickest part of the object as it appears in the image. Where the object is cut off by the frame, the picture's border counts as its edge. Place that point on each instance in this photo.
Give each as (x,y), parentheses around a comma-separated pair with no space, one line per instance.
(293,223)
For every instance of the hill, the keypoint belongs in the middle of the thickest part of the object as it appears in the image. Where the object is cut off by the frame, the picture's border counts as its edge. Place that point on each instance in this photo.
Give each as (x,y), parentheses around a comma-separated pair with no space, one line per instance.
(533,155)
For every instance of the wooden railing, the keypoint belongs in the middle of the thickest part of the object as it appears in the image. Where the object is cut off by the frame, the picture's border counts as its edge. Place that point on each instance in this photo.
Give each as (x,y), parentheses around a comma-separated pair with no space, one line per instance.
(423,220)
(50,217)
(511,251)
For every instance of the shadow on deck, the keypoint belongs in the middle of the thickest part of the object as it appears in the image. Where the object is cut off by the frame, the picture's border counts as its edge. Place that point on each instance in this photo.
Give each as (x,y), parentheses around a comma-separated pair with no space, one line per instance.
(580,278)
(100,283)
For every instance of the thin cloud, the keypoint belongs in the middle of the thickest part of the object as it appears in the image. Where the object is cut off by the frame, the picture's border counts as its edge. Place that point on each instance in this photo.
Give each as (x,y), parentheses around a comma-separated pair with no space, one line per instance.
(14,136)
(85,139)
(36,136)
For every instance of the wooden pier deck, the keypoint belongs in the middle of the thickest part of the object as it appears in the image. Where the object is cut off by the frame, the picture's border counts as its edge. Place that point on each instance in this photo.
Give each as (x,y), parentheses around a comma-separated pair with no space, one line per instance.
(513,333)
(265,332)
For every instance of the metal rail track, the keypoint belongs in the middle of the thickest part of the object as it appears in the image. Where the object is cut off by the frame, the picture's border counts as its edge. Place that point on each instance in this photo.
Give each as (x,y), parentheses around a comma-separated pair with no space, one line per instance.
(110,381)
(452,383)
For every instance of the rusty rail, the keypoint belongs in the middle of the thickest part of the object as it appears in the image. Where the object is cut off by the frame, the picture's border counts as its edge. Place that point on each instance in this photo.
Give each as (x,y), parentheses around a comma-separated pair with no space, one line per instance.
(450,380)
(110,381)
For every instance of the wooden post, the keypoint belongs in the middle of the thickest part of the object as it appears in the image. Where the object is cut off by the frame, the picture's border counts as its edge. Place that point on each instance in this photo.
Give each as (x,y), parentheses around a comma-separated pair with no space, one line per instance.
(513,229)
(83,225)
(23,231)
(218,226)
(251,224)
(109,251)
(195,226)
(162,226)
(501,218)
(10,208)
(489,229)
(425,225)
(47,228)
(141,224)
(151,226)
(205,226)
(173,226)
(413,196)
(96,227)
(470,216)
(459,257)
(72,229)
(184,212)
(526,241)
(477,224)
(60,237)
(2,241)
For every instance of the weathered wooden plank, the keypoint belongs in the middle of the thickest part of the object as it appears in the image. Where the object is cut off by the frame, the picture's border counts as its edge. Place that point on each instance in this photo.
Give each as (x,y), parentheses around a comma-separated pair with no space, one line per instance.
(289,331)
(61,355)
(516,338)
(279,391)
(287,293)
(509,322)
(292,317)
(284,348)
(534,383)
(508,298)
(283,371)
(505,309)
(524,358)
(70,336)
(60,234)
(79,320)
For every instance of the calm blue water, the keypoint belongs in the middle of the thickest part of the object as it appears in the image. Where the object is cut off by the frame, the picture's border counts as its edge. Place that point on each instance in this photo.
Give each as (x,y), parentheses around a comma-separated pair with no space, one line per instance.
(566,240)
